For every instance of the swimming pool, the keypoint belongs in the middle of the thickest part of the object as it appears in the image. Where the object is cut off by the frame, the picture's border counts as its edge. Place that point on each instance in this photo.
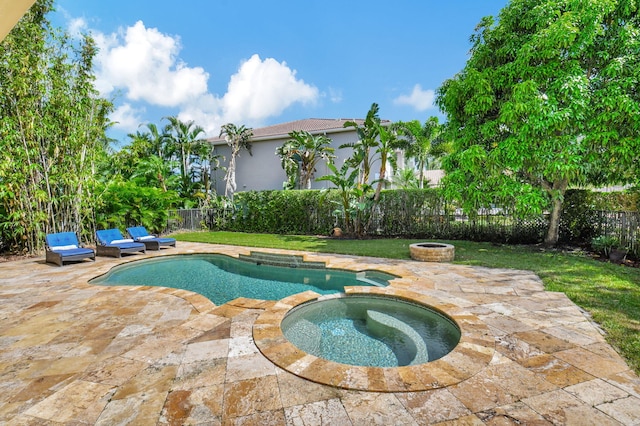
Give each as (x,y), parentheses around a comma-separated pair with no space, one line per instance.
(222,278)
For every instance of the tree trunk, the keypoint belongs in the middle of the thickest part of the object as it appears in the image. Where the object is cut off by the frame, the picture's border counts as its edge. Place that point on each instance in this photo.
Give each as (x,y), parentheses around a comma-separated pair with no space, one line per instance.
(230,187)
(383,172)
(557,200)
(305,176)
(551,239)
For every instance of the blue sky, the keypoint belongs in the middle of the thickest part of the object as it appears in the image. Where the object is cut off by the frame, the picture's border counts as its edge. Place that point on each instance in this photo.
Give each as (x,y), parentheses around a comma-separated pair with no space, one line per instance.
(258,63)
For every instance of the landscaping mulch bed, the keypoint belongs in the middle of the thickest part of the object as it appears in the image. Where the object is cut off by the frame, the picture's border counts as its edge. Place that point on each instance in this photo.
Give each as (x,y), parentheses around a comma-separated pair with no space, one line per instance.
(7,257)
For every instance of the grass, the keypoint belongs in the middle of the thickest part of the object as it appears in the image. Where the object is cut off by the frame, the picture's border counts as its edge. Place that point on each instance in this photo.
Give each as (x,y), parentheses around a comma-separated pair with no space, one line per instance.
(610,293)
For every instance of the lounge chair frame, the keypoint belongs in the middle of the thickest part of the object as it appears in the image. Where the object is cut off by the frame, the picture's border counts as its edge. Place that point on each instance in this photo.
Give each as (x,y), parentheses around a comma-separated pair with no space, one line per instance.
(140,234)
(106,247)
(59,257)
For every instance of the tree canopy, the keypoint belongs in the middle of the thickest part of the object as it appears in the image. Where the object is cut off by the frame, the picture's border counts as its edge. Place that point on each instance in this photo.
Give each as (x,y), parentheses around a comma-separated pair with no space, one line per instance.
(547,100)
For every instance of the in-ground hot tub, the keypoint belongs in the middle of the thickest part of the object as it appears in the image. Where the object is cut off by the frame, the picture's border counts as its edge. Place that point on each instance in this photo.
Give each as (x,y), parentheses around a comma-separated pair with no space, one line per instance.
(372,331)
(413,371)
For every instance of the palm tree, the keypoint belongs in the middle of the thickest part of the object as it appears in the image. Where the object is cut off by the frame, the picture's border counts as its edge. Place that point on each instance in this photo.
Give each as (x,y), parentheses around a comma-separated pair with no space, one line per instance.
(425,143)
(213,161)
(237,138)
(185,143)
(389,143)
(305,150)
(158,140)
(154,171)
(405,179)
(290,164)
(345,181)
(367,140)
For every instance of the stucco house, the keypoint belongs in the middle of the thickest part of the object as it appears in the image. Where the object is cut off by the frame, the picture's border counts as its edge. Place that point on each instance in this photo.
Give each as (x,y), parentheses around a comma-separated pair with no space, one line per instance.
(263,171)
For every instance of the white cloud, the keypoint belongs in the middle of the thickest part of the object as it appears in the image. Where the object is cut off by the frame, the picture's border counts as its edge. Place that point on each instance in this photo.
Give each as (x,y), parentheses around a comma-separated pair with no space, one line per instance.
(259,90)
(205,111)
(126,118)
(262,89)
(419,99)
(143,65)
(77,26)
(335,95)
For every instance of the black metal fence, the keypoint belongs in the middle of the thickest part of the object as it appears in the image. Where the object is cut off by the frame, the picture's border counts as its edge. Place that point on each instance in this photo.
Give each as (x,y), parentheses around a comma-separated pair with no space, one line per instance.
(492,225)
(625,226)
(188,219)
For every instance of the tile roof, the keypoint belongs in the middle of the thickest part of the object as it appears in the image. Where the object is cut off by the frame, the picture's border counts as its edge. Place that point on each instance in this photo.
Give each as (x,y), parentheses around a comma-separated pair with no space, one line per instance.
(311,125)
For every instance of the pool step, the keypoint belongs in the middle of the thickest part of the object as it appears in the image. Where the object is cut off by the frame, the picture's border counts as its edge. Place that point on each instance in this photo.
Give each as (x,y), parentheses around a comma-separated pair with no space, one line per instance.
(414,347)
(285,260)
(362,277)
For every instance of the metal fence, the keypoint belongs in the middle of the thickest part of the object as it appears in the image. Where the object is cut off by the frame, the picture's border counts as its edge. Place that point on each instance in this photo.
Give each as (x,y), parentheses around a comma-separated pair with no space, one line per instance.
(625,226)
(188,219)
(495,226)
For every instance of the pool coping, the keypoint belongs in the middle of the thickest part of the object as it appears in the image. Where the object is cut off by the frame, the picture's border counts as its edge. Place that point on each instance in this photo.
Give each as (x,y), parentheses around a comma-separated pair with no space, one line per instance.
(473,353)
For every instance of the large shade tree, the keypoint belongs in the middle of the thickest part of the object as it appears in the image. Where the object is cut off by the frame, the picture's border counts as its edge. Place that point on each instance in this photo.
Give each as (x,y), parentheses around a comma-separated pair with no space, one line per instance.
(548,99)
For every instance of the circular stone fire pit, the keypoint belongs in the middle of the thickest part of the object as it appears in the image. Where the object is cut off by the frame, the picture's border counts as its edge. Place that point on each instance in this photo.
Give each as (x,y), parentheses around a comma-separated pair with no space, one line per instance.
(432,252)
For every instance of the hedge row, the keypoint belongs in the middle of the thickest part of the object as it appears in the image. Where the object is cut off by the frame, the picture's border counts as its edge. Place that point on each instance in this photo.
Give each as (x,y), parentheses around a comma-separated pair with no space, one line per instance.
(412,213)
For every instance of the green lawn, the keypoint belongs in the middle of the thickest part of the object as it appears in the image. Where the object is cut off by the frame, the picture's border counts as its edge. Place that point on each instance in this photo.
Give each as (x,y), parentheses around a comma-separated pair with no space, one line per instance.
(611,293)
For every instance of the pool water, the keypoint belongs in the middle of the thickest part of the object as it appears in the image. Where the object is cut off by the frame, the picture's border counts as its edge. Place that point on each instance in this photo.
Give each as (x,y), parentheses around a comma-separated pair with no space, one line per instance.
(371,331)
(222,278)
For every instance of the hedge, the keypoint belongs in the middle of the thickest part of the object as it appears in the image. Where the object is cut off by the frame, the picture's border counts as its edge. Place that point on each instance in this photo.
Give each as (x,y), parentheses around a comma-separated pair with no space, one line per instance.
(423,213)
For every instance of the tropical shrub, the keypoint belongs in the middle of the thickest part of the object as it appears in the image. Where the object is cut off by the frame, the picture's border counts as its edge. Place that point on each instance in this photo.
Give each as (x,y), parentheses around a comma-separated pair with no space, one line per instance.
(124,204)
(52,131)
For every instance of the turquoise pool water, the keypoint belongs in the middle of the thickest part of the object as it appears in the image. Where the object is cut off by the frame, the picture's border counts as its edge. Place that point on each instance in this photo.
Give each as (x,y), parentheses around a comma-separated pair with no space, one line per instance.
(371,331)
(222,278)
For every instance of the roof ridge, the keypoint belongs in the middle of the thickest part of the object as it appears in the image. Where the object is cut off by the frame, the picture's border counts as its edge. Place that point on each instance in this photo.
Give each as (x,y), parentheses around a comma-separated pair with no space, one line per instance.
(310,125)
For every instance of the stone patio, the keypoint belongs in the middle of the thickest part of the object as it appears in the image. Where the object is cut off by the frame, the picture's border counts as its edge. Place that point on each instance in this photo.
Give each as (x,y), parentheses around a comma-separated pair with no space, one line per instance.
(75,353)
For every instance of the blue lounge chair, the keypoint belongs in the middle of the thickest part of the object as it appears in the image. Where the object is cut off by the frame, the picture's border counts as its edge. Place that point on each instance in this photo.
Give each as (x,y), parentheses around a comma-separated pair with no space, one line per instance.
(110,242)
(152,242)
(64,247)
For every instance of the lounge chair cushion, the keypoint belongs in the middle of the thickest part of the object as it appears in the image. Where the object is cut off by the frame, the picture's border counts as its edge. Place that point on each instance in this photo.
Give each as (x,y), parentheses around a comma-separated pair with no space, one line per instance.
(152,242)
(62,239)
(67,247)
(112,243)
(74,252)
(138,232)
(64,246)
(108,236)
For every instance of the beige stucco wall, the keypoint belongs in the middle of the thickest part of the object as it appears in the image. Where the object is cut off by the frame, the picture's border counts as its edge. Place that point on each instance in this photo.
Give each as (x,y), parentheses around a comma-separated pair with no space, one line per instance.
(262,170)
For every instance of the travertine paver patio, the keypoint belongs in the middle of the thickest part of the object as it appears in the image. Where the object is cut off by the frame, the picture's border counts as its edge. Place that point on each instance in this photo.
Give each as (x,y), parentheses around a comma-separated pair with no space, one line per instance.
(74,353)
